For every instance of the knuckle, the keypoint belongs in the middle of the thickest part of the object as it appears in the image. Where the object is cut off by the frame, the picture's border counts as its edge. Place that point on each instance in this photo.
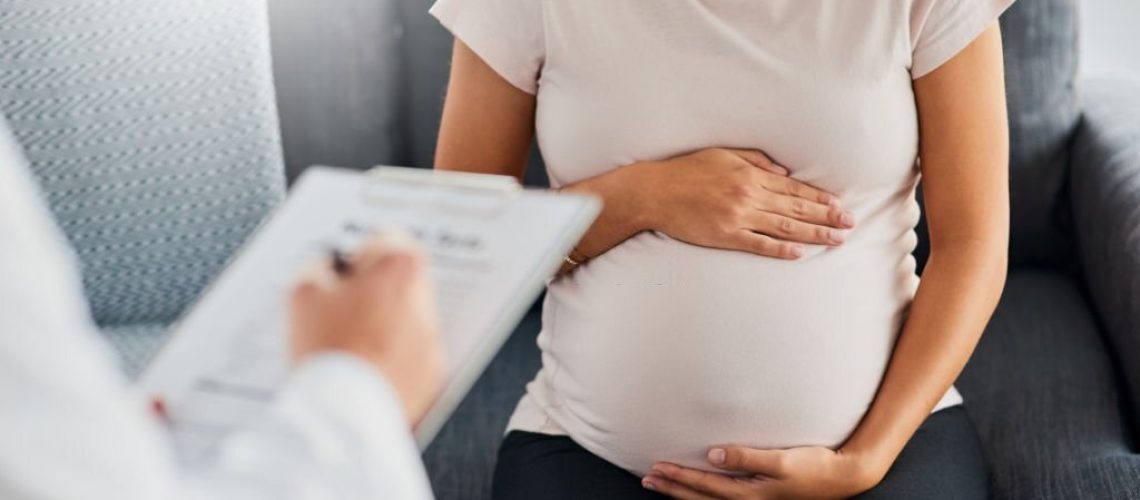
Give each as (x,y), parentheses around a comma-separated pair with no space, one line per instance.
(822,234)
(739,193)
(725,230)
(766,246)
(731,213)
(790,251)
(786,226)
(799,207)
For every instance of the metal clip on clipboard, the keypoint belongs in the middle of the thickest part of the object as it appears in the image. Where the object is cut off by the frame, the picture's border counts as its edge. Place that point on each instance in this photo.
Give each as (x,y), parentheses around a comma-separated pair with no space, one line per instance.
(482,195)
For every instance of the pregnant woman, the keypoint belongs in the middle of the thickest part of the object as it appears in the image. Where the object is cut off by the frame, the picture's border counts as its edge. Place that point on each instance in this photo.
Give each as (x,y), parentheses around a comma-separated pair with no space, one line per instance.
(744,320)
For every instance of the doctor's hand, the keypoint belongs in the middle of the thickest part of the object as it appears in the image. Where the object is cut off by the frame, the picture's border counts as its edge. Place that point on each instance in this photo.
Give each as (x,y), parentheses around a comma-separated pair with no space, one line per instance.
(811,472)
(380,308)
(738,200)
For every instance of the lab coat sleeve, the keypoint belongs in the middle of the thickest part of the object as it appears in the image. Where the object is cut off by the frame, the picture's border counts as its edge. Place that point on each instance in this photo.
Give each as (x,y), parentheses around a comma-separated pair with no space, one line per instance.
(336,431)
(71,428)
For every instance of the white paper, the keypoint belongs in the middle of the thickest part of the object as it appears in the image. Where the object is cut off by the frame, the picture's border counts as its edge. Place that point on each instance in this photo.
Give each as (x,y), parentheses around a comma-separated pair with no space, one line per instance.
(490,253)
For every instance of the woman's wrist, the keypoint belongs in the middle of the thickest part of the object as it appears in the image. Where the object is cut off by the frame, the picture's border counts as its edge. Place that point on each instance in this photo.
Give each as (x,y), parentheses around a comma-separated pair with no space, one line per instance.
(862,470)
(867,465)
(633,191)
(626,194)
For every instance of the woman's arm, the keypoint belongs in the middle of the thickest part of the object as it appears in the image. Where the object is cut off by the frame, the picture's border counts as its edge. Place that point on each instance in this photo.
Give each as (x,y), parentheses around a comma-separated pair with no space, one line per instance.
(964,151)
(965,166)
(488,127)
(721,198)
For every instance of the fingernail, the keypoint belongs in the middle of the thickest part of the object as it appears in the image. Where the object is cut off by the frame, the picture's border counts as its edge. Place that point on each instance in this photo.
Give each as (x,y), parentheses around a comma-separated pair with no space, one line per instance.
(647,484)
(797,251)
(836,236)
(716,456)
(847,219)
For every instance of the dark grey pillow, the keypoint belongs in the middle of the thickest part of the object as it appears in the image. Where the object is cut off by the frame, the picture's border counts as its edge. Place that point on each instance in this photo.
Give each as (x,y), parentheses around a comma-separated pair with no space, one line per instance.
(1041,56)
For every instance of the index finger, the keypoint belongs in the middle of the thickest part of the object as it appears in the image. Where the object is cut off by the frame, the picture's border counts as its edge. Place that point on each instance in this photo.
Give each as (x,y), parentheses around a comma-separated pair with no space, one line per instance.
(799,189)
(759,159)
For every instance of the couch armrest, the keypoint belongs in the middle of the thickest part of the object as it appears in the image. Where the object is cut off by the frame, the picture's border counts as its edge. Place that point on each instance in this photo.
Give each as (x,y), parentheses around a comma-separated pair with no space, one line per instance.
(1106,212)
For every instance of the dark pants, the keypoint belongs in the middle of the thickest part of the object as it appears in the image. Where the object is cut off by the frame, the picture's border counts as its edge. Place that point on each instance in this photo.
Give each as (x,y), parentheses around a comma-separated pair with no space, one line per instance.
(942,461)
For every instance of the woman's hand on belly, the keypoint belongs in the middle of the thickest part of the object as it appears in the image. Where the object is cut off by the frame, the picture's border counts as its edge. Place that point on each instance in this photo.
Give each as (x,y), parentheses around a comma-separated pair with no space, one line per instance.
(811,472)
(719,198)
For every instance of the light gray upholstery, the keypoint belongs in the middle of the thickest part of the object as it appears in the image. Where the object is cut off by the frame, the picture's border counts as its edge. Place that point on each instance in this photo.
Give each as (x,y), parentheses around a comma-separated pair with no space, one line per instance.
(1106,207)
(152,128)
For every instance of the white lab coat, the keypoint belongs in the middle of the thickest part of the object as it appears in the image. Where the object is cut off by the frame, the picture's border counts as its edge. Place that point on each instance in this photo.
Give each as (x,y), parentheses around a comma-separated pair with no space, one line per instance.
(70,428)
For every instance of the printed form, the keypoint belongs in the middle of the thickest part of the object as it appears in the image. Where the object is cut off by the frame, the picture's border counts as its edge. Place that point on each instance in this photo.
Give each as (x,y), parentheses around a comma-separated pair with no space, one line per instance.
(491,248)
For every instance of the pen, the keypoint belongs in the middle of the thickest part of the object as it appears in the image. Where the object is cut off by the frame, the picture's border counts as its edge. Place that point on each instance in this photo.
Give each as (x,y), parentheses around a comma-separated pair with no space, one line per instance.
(339,262)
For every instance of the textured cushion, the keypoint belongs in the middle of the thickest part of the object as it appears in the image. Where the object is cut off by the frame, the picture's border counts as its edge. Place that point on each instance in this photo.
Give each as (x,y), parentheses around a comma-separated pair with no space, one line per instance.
(1043,392)
(339,76)
(151,125)
(462,458)
(1106,209)
(1041,55)
(136,344)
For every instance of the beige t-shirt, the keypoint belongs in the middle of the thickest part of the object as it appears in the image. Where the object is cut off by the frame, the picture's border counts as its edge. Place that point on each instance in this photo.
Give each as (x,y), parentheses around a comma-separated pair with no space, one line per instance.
(658,349)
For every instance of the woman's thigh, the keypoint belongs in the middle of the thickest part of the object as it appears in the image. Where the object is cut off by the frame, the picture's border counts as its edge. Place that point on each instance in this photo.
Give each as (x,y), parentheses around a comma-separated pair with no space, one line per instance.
(943,460)
(539,466)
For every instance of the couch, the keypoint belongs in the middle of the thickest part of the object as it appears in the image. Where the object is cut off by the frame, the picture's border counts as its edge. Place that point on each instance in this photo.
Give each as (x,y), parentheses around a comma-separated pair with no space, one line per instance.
(156,140)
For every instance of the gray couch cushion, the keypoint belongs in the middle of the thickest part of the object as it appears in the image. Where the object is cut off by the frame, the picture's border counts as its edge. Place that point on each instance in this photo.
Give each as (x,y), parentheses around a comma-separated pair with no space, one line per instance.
(1043,392)
(1106,208)
(1041,54)
(151,125)
(462,458)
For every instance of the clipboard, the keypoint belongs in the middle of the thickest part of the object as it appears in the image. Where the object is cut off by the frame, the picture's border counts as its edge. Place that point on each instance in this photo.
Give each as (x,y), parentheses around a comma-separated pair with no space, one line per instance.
(492,247)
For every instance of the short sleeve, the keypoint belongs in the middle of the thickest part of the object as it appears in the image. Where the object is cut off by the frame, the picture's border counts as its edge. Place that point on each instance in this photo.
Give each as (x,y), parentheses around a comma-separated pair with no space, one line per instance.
(507,34)
(940,29)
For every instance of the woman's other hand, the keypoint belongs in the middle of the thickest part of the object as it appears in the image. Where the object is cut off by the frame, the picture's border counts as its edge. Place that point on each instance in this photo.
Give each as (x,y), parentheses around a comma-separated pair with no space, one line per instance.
(811,472)
(738,200)
(381,310)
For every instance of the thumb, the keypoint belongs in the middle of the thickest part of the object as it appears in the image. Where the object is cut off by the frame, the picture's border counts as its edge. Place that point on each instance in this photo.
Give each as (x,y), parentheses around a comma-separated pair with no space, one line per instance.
(767,463)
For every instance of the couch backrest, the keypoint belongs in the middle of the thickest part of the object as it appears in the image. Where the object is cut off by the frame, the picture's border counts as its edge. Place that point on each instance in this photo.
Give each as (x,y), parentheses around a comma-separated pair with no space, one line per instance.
(340,74)
(427,56)
(152,128)
(1041,58)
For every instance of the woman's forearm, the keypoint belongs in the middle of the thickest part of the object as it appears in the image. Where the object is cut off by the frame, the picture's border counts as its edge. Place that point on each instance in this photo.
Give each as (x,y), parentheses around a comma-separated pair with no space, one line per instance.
(960,288)
(624,212)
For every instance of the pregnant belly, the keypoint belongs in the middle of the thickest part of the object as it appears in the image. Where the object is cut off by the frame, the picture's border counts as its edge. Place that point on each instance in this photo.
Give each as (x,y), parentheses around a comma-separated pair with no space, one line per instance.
(659,349)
